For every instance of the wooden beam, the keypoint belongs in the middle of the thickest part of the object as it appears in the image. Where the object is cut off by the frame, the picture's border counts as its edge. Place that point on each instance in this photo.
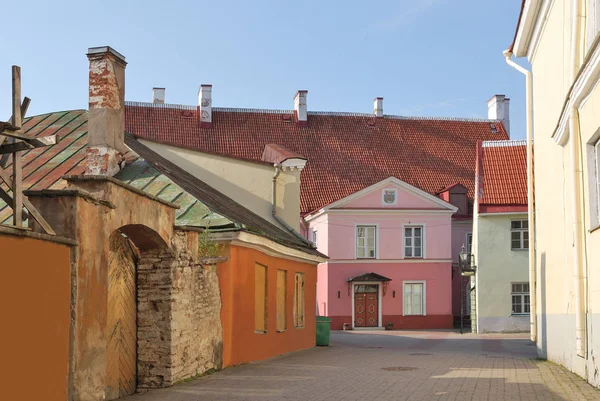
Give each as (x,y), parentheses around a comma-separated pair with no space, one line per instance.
(32,210)
(16,97)
(5,196)
(17,189)
(4,125)
(15,147)
(37,142)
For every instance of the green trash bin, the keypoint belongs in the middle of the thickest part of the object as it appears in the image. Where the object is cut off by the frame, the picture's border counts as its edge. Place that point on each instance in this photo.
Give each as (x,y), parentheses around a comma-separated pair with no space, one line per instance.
(323,330)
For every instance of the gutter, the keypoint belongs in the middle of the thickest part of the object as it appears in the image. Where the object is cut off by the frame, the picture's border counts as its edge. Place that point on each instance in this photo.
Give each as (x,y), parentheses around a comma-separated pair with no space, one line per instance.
(530,194)
(274,209)
(576,177)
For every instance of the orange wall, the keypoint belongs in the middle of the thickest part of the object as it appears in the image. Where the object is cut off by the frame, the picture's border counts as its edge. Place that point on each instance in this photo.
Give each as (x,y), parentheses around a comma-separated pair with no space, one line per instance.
(236,277)
(35,294)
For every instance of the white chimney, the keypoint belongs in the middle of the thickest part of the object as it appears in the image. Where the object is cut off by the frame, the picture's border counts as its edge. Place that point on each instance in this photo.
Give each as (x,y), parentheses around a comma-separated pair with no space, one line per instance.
(498,109)
(205,103)
(378,107)
(158,95)
(300,107)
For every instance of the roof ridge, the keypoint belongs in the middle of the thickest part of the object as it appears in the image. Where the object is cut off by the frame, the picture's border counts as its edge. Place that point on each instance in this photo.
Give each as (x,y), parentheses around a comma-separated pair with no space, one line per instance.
(56,112)
(315,113)
(504,143)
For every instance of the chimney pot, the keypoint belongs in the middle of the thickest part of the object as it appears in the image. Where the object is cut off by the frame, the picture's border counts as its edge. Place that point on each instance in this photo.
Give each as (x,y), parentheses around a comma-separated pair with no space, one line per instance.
(106,117)
(158,95)
(300,108)
(498,109)
(378,107)
(205,105)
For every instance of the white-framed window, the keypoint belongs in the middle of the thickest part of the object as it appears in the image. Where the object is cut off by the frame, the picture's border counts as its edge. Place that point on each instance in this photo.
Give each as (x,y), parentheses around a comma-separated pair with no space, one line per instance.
(314,237)
(519,234)
(414,297)
(366,242)
(520,298)
(413,241)
(594,180)
(469,246)
(592,22)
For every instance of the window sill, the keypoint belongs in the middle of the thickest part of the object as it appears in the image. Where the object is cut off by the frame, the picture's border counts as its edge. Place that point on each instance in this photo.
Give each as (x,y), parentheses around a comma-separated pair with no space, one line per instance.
(281,331)
(298,327)
(414,315)
(414,257)
(260,332)
(520,314)
(519,249)
(595,228)
(366,258)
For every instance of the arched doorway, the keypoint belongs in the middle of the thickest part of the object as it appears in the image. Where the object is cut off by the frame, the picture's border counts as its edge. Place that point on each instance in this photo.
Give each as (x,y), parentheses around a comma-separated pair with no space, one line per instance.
(127,245)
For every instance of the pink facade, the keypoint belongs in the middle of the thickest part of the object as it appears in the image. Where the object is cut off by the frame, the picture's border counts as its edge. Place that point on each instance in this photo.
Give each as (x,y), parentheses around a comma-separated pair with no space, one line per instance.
(411,288)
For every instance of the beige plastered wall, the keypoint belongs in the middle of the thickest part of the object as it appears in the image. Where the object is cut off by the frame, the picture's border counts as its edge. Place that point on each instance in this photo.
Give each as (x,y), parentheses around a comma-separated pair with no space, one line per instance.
(248,183)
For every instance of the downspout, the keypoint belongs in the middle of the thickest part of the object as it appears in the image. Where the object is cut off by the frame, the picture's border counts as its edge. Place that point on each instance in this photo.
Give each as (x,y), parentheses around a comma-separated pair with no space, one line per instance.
(576,176)
(530,193)
(274,209)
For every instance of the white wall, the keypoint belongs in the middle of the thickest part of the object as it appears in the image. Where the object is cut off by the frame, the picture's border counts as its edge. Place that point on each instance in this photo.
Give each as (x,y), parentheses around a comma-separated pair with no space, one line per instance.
(498,266)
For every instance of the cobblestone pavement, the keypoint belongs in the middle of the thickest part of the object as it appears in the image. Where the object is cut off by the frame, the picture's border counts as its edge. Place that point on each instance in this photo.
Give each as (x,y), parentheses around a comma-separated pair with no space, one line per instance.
(393,365)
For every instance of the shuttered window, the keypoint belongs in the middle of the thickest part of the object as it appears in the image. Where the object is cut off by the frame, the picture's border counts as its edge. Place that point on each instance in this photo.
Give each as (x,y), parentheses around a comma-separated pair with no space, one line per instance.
(260,298)
(281,300)
(299,300)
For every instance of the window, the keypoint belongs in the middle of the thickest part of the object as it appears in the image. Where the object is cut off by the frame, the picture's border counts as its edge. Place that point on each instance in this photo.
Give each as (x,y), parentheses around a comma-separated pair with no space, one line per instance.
(260,298)
(281,300)
(593,21)
(460,201)
(314,237)
(365,242)
(299,300)
(414,298)
(413,241)
(594,173)
(519,234)
(520,298)
(469,242)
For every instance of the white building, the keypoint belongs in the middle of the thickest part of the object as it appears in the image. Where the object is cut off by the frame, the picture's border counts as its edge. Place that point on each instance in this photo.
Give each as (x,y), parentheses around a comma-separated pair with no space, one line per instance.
(501,239)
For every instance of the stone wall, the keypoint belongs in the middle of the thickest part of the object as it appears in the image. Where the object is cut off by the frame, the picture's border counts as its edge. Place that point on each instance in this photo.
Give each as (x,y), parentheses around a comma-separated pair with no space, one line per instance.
(179,307)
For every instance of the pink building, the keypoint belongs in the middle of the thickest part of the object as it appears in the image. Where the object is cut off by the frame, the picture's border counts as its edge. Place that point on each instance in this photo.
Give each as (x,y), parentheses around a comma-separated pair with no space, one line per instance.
(390,258)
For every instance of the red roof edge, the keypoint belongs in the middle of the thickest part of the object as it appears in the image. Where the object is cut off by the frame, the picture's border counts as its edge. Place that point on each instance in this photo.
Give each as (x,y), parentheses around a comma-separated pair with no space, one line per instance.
(502,208)
(449,187)
(274,153)
(479,172)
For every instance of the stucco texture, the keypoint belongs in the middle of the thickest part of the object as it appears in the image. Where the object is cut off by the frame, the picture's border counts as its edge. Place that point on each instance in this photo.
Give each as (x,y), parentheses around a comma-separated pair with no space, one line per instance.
(36,295)
(236,276)
(497,267)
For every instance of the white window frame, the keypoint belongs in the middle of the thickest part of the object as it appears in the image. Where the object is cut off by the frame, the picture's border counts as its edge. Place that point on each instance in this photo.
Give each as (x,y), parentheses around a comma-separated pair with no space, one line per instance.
(424,296)
(592,22)
(423,242)
(522,295)
(593,157)
(375,242)
(469,243)
(314,237)
(522,232)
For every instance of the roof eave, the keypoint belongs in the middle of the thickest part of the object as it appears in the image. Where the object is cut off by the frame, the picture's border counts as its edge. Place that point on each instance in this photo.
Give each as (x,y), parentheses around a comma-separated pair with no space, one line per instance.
(530,11)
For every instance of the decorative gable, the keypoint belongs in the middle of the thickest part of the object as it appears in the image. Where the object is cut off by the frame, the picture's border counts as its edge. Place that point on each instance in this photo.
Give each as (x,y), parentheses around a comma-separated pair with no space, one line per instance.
(392,193)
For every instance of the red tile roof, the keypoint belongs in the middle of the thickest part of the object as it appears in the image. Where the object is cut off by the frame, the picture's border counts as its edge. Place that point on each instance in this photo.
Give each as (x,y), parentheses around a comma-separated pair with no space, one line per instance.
(346,152)
(503,172)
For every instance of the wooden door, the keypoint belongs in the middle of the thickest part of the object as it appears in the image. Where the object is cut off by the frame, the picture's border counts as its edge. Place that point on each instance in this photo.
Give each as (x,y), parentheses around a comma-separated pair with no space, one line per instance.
(121,349)
(366,305)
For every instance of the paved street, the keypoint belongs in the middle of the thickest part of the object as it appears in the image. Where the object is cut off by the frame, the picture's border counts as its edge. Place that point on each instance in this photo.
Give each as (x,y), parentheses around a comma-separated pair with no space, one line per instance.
(393,365)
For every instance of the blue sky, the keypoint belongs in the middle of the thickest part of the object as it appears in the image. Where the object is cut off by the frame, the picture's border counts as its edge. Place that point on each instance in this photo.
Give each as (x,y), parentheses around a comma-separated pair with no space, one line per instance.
(425,57)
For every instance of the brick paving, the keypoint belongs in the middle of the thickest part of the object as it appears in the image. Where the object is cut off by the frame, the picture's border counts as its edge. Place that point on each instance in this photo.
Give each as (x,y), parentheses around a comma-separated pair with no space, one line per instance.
(393,365)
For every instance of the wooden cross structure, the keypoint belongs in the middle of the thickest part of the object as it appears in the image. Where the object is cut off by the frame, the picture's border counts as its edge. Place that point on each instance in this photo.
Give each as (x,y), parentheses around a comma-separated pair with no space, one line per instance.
(13,141)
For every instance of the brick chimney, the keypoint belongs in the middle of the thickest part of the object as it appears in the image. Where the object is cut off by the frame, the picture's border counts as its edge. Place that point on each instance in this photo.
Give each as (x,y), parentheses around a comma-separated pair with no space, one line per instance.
(106,117)
(300,109)
(498,109)
(205,104)
(378,107)
(158,95)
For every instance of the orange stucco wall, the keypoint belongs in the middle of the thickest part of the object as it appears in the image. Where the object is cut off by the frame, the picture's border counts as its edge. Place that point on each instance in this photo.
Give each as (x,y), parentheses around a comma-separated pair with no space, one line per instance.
(236,277)
(35,297)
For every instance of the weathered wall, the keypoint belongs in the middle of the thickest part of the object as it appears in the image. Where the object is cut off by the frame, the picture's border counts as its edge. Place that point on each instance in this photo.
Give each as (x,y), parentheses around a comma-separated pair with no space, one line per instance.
(498,266)
(247,183)
(174,329)
(236,276)
(35,294)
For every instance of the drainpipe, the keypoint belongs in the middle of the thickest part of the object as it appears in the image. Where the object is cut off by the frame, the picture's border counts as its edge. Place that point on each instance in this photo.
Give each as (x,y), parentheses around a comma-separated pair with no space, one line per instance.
(576,177)
(530,193)
(274,209)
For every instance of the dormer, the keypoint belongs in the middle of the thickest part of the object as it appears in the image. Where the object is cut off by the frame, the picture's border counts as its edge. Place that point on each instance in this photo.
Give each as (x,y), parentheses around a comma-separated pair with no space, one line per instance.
(456,194)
